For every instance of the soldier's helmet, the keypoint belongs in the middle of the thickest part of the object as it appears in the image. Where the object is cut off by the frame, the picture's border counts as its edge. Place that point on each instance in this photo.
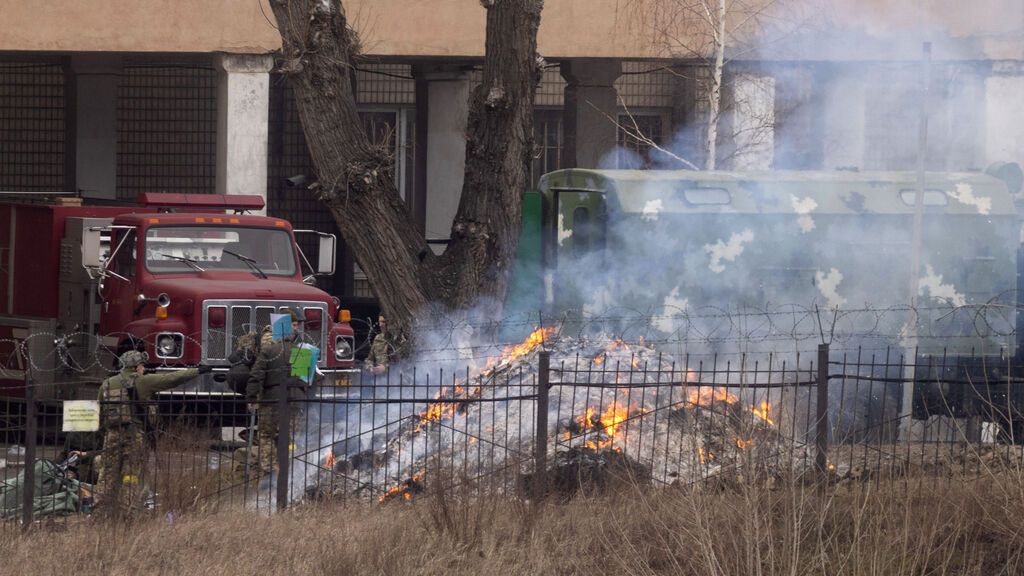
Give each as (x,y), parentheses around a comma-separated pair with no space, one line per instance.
(133,358)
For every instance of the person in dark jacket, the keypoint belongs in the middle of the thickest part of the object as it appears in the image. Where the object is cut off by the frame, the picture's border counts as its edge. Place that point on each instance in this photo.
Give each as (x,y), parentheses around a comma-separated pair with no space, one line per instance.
(270,372)
(241,361)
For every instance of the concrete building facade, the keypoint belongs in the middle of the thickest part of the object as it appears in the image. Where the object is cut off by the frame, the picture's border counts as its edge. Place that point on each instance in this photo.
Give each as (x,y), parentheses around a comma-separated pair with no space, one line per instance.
(114,98)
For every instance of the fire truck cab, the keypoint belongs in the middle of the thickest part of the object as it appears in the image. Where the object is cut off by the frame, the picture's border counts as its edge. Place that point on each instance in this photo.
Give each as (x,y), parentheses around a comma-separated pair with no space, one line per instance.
(180,276)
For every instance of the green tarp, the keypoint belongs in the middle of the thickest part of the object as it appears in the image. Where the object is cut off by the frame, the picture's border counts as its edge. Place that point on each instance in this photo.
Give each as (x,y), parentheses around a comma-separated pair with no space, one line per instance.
(54,494)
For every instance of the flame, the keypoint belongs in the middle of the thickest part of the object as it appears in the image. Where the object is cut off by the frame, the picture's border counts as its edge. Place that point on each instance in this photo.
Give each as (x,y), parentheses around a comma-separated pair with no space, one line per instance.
(403,489)
(743,444)
(329,460)
(511,353)
(536,338)
(434,413)
(706,455)
(607,424)
(635,362)
(600,358)
(705,396)
(763,411)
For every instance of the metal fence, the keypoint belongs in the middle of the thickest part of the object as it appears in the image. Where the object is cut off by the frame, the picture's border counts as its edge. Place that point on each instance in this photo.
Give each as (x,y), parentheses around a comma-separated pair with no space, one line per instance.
(564,416)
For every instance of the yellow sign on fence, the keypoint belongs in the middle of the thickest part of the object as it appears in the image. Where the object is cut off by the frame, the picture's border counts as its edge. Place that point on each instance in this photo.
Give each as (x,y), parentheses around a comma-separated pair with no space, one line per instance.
(81,416)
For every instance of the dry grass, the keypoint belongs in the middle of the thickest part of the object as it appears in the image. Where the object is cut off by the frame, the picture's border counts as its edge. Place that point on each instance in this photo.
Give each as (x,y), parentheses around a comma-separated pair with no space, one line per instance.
(917,526)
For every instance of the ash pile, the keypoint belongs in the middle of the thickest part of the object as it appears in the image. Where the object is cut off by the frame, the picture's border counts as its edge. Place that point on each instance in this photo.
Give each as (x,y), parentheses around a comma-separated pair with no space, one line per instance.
(614,409)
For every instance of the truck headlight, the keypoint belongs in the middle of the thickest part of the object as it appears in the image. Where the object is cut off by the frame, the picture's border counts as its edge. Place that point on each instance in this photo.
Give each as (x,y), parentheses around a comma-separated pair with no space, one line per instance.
(343,348)
(169,345)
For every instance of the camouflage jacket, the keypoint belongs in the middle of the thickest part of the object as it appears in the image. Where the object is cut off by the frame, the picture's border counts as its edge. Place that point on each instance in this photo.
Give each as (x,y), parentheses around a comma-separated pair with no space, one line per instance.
(271,370)
(381,351)
(118,392)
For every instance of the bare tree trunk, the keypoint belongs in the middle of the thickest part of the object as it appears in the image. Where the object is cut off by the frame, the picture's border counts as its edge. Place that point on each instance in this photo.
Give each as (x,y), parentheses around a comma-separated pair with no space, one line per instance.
(485,232)
(715,93)
(318,52)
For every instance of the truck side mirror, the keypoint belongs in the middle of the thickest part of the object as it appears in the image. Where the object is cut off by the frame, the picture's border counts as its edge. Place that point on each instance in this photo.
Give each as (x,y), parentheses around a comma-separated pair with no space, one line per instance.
(92,256)
(326,253)
(326,258)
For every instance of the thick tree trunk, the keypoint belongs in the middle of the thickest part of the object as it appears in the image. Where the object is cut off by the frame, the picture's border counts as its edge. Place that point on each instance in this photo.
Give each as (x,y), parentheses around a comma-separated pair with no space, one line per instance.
(318,51)
(499,147)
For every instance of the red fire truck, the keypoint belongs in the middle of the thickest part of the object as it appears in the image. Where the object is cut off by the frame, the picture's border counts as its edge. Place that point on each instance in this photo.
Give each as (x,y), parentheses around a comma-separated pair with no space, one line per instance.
(181,276)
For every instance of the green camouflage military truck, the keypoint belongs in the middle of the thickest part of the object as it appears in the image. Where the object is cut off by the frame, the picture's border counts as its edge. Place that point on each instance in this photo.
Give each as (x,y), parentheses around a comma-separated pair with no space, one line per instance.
(687,249)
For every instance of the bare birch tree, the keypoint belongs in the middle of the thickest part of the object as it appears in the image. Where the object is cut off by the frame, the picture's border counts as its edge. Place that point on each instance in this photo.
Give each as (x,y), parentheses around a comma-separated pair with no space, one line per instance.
(710,34)
(319,49)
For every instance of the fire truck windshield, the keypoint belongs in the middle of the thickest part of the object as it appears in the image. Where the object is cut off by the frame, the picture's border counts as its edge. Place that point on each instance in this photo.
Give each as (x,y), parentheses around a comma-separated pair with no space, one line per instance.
(178,249)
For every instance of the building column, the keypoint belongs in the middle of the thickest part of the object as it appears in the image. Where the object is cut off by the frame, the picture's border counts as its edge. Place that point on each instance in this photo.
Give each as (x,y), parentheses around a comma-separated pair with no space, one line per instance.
(1004,116)
(589,128)
(446,113)
(243,107)
(844,104)
(752,126)
(96,78)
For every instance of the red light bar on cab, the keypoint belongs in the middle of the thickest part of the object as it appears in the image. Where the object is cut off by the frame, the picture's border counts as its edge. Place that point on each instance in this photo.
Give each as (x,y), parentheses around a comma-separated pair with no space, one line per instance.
(202,201)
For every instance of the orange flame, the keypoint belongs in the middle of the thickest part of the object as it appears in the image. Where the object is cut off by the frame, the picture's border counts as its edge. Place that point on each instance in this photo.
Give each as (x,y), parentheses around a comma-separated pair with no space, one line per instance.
(607,423)
(536,338)
(705,396)
(510,353)
(329,460)
(434,413)
(743,444)
(600,358)
(705,455)
(763,411)
(402,489)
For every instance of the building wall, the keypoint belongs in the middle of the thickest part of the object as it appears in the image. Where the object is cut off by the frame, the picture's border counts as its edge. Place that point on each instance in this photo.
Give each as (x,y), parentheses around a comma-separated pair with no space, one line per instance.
(455,28)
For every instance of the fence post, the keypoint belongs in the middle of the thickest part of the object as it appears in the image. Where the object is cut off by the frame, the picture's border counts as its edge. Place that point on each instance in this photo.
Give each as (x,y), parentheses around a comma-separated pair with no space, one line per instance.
(28,486)
(284,439)
(540,449)
(821,409)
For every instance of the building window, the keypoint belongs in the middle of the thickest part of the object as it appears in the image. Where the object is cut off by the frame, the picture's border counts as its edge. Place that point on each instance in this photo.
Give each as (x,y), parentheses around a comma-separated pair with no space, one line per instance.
(956,125)
(32,127)
(547,139)
(395,130)
(166,130)
(638,133)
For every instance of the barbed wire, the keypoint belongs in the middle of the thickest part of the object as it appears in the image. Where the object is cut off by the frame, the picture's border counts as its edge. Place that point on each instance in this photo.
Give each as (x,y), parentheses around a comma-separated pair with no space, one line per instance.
(443,339)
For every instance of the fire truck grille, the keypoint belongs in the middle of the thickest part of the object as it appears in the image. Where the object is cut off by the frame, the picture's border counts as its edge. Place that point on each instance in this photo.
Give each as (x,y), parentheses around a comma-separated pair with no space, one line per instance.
(225,321)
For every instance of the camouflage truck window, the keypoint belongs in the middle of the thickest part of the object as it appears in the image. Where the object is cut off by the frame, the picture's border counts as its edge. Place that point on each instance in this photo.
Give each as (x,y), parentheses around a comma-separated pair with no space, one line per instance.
(180,249)
(581,240)
(707,196)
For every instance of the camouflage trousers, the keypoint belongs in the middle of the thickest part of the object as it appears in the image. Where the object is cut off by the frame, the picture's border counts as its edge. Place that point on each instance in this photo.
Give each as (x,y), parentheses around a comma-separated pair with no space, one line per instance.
(264,459)
(121,486)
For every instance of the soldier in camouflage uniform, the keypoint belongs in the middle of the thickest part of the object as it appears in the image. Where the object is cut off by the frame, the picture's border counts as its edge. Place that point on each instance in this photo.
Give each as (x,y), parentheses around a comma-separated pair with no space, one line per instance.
(242,360)
(381,349)
(121,467)
(269,373)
